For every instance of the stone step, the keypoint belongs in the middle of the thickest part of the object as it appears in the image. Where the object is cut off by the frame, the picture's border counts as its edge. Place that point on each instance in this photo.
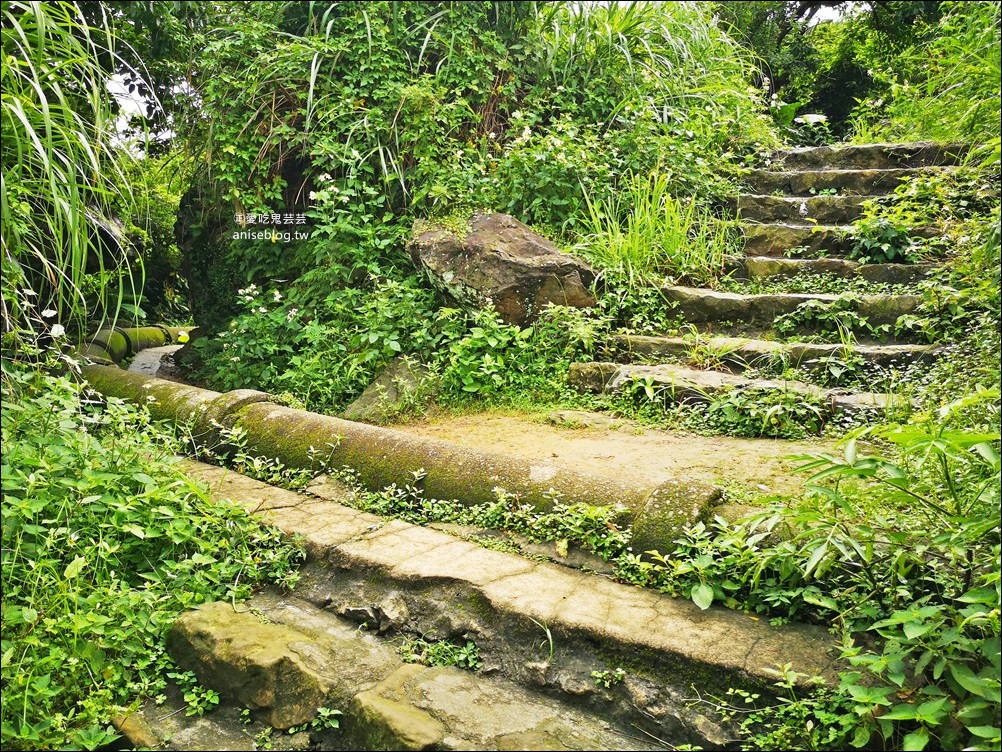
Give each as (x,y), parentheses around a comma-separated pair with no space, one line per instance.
(701,306)
(760,268)
(740,353)
(869,156)
(802,240)
(678,384)
(826,210)
(301,658)
(539,627)
(845,182)
(806,240)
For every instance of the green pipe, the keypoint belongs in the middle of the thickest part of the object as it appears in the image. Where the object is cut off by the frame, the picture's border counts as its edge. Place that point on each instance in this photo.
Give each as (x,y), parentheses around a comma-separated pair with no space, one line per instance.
(115,342)
(143,337)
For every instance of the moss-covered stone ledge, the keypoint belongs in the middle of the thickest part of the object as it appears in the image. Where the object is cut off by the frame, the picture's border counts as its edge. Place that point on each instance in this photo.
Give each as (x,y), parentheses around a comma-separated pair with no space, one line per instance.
(381,456)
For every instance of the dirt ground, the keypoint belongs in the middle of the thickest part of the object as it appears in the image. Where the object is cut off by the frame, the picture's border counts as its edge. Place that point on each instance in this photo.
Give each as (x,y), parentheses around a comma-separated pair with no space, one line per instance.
(760,465)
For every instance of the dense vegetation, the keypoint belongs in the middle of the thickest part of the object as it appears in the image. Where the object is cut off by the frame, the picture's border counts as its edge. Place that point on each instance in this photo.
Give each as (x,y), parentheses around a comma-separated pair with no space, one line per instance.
(620,130)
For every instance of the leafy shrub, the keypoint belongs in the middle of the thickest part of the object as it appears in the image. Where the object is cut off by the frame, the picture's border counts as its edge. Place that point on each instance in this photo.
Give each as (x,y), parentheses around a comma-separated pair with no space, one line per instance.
(879,240)
(441,653)
(767,413)
(944,88)
(919,534)
(104,543)
(839,316)
(64,170)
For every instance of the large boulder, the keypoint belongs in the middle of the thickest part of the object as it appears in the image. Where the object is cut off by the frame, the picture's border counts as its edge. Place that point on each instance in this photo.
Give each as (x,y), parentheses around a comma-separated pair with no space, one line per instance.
(501,261)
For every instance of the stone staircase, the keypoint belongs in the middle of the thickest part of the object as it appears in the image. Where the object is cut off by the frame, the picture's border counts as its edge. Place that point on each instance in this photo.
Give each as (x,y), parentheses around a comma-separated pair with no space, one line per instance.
(797,223)
(570,660)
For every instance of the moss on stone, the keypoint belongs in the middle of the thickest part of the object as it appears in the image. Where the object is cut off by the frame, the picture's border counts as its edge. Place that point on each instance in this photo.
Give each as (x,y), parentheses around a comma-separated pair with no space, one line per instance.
(669,508)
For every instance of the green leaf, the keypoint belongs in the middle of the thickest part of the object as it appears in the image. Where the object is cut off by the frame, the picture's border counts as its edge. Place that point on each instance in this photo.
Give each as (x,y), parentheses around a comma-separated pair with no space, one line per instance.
(986,732)
(966,679)
(74,567)
(916,740)
(816,557)
(820,600)
(861,737)
(915,629)
(903,712)
(984,594)
(702,595)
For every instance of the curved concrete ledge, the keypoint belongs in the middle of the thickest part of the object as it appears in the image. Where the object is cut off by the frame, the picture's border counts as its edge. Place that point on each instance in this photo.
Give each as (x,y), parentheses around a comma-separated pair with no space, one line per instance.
(383,456)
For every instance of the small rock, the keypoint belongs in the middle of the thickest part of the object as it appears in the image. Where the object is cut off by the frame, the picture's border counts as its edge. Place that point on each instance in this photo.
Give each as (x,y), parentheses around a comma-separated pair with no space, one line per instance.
(581,419)
(403,382)
(670,507)
(137,730)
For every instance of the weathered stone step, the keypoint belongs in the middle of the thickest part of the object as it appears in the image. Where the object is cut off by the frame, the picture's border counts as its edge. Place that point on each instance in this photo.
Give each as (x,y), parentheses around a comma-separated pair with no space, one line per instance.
(802,240)
(768,267)
(536,624)
(845,182)
(870,156)
(301,658)
(689,385)
(806,240)
(699,306)
(827,210)
(741,353)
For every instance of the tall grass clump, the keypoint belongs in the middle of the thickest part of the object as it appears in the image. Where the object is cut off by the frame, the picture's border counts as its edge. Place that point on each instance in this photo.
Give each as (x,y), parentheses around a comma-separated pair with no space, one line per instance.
(947,87)
(59,165)
(643,234)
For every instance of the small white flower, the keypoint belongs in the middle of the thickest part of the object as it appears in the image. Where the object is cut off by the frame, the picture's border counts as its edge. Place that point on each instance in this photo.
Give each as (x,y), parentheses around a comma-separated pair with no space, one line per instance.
(262,309)
(278,296)
(58,330)
(48,313)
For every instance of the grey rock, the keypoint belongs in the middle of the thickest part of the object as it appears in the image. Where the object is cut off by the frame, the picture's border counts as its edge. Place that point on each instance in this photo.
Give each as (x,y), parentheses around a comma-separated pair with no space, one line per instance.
(765,267)
(702,306)
(775,239)
(689,385)
(669,509)
(256,664)
(581,419)
(535,624)
(503,262)
(743,352)
(404,382)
